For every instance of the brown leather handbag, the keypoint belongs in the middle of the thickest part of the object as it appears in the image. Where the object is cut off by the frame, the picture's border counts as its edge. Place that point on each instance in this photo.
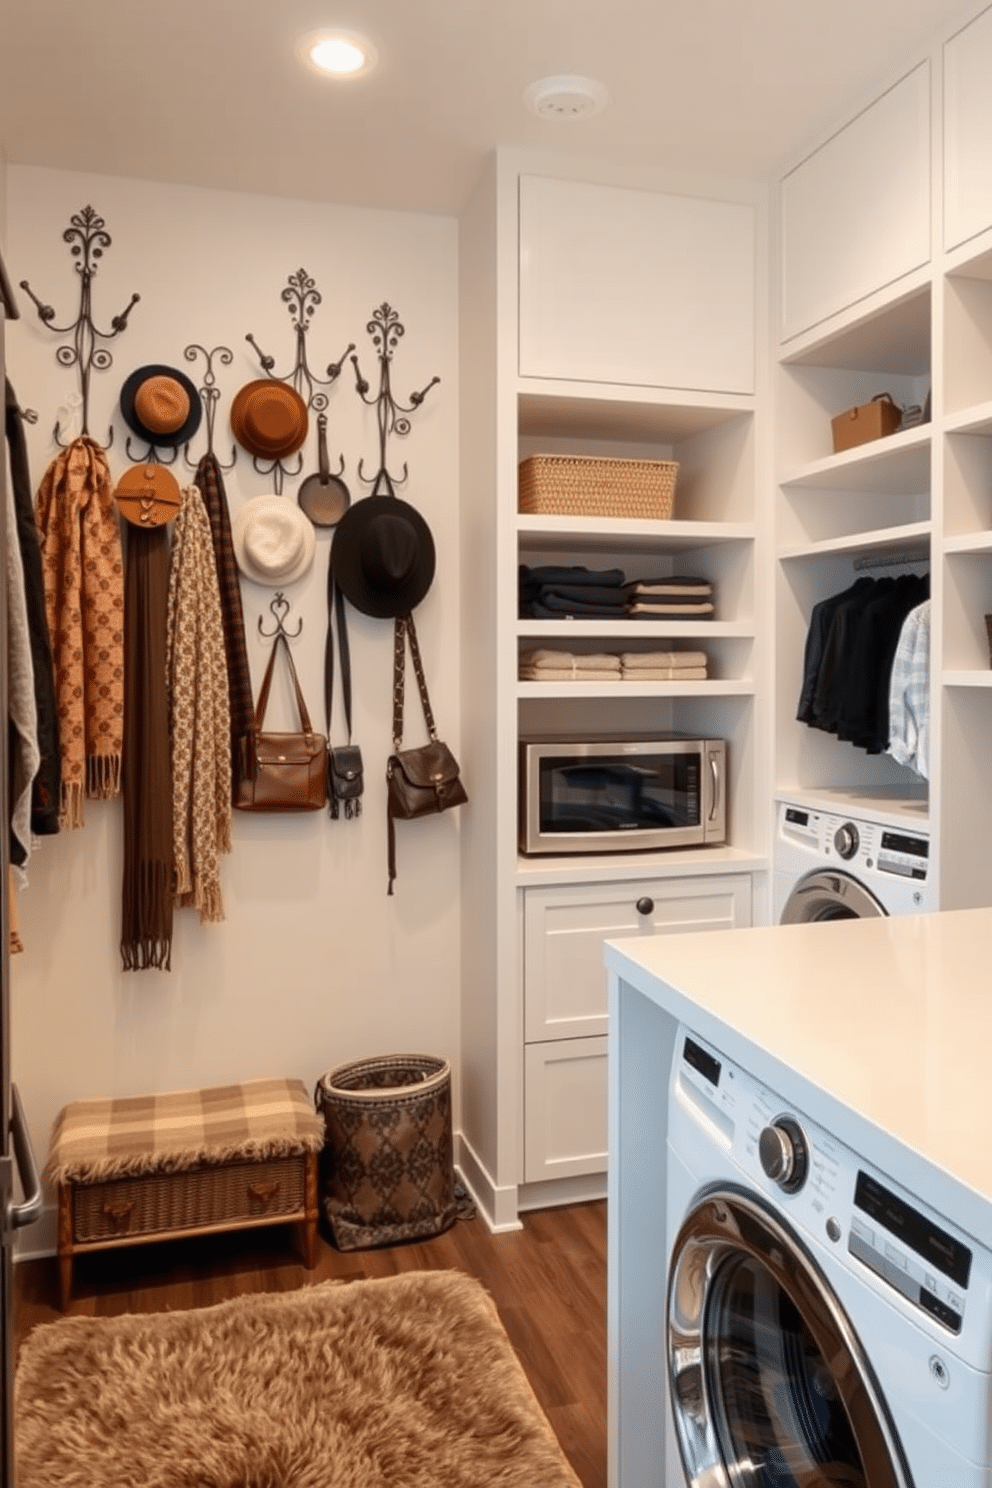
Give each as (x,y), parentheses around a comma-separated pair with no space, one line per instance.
(421,781)
(291,769)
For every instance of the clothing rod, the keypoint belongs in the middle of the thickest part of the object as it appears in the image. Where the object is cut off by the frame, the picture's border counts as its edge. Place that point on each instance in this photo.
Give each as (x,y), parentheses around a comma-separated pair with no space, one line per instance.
(890,560)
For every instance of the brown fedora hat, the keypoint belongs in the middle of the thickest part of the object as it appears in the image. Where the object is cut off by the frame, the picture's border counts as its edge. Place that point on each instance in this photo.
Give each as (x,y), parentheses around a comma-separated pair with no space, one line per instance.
(161,404)
(269,419)
(382,556)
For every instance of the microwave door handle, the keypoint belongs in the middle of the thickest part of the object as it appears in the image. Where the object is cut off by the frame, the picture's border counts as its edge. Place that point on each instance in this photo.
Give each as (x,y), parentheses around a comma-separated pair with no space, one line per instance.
(715,785)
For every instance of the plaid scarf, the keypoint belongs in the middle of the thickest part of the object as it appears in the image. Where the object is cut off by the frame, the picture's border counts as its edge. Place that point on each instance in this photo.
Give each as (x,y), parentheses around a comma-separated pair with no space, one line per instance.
(84,603)
(242,709)
(199,719)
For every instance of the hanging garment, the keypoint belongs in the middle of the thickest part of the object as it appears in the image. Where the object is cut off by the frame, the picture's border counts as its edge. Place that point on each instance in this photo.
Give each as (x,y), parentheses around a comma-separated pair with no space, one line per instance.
(199,716)
(241,708)
(146,909)
(84,594)
(819,627)
(22,729)
(46,789)
(864,699)
(909,693)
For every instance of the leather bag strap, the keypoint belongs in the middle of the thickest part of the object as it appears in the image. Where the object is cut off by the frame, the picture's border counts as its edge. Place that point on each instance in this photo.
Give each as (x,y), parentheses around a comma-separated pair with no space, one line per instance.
(403,628)
(336,620)
(263,696)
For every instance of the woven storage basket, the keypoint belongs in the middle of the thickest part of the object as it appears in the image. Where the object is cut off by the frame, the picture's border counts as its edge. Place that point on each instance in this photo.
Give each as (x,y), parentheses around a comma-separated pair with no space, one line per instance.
(588,486)
(388,1164)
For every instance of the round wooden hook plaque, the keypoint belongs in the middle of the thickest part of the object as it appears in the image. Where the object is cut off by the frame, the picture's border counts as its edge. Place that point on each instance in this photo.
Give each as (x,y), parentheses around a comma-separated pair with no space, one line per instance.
(148,495)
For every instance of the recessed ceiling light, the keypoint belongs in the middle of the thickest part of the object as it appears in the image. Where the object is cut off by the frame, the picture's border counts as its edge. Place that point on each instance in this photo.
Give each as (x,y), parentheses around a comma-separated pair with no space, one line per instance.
(340,54)
(566,98)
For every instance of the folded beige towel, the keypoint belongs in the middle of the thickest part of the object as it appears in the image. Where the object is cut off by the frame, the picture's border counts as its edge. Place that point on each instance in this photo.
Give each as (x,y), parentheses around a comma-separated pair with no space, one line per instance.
(631,660)
(665,674)
(578,661)
(574,674)
(662,608)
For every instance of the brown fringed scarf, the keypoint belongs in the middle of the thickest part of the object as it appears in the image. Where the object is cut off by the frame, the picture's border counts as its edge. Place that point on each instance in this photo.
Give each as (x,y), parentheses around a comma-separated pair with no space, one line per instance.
(84,602)
(210,484)
(146,920)
(199,718)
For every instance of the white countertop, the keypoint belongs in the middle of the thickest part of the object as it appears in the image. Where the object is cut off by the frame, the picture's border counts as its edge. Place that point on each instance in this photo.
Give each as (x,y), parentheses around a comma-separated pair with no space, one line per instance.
(890,1018)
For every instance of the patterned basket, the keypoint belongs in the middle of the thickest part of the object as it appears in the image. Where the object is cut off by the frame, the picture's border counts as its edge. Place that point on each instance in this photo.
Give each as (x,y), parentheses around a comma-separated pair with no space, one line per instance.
(588,486)
(389,1170)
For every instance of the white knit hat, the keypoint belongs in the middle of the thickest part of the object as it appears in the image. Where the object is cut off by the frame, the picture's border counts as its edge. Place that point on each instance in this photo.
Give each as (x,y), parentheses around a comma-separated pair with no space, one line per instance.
(274,541)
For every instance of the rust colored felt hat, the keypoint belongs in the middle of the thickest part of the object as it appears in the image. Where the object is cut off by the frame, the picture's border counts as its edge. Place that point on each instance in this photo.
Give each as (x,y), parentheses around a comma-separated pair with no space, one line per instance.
(161,404)
(269,419)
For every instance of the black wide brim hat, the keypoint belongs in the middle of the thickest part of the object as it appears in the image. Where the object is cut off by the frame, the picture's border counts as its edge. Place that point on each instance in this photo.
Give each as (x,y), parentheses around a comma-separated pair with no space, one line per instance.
(132,393)
(382,556)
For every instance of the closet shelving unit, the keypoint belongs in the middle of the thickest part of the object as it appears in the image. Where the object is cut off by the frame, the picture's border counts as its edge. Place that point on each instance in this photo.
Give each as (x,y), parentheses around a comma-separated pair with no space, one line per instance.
(863,510)
(965,694)
(712,533)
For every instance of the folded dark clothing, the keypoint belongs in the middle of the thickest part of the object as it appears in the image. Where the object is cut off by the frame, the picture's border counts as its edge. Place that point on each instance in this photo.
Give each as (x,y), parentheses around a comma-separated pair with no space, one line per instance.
(556,574)
(583,593)
(552,606)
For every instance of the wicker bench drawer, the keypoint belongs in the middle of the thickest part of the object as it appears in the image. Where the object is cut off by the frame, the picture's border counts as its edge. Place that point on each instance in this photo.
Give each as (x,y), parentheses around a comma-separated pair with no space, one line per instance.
(157,1203)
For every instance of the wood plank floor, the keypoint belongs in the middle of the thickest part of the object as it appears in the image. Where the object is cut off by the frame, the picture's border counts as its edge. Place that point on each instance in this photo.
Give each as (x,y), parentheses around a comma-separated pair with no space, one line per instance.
(548,1281)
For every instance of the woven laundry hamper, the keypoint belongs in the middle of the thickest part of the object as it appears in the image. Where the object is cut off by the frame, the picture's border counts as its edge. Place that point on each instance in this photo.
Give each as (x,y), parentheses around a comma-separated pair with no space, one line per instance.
(387,1166)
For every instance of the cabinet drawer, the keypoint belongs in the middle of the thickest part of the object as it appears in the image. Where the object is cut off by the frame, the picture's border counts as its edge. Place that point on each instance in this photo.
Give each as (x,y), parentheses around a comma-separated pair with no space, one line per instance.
(564,930)
(565,1109)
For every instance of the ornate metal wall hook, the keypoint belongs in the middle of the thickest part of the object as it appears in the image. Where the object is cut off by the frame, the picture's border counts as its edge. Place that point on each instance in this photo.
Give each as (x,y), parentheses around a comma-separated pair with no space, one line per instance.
(386,329)
(278,471)
(280,607)
(301,296)
(152,456)
(209,396)
(88,239)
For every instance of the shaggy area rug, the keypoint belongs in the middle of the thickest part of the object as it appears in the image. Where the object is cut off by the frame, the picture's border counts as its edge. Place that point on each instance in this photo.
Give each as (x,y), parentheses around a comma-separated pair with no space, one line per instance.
(409,1382)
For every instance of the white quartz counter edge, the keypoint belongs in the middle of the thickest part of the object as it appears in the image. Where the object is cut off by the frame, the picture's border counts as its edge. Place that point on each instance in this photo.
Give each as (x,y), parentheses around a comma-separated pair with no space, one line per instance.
(880,1030)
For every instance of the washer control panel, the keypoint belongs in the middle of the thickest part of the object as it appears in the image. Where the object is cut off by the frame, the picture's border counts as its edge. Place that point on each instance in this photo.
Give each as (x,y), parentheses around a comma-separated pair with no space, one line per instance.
(902,852)
(824,1187)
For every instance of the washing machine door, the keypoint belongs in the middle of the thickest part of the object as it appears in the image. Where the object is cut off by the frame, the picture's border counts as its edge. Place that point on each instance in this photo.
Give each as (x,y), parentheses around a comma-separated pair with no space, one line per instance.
(770,1386)
(828,895)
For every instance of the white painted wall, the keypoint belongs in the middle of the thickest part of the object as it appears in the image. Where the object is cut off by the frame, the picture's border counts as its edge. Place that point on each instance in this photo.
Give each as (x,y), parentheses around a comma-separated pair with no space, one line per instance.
(314,964)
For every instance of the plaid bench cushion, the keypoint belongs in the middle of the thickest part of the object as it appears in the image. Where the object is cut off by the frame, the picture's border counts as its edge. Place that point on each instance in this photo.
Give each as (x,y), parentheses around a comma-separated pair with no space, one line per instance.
(96,1140)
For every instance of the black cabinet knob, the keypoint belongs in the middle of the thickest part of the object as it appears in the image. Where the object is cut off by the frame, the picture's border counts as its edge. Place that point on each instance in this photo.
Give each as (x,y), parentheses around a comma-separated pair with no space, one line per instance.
(645,906)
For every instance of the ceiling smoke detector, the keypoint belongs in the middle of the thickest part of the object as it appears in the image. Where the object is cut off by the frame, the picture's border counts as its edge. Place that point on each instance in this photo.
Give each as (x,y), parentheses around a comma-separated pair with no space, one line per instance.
(566,98)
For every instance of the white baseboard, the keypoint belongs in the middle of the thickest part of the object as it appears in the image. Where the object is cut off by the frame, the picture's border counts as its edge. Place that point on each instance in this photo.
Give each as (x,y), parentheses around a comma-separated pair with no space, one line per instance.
(558,1191)
(497,1206)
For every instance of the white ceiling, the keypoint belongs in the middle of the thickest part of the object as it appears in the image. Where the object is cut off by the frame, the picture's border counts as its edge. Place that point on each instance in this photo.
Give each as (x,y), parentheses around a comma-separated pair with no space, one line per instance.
(211,91)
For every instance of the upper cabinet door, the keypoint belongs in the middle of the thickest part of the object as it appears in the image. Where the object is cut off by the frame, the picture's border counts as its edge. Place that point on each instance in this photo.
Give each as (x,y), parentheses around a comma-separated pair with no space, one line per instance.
(636,287)
(856,213)
(968,132)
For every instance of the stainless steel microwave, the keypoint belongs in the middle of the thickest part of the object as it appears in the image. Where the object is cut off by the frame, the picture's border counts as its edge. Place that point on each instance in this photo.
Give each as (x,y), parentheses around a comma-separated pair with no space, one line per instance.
(622,794)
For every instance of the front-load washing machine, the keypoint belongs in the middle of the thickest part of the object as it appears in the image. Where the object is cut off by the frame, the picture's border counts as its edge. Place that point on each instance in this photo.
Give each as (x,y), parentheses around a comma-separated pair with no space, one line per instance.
(824,1326)
(840,858)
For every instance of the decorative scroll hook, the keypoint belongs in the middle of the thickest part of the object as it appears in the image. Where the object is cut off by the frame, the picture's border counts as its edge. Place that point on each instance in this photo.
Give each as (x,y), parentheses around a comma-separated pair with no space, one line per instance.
(88,239)
(280,607)
(210,395)
(386,329)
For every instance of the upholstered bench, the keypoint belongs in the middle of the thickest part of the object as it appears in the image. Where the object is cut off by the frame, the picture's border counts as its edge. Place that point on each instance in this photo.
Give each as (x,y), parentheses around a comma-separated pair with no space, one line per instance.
(187,1162)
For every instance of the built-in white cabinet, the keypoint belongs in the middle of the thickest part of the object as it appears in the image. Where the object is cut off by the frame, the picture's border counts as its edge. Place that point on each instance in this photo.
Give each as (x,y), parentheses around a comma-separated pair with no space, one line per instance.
(601,321)
(967,131)
(637,288)
(855,213)
(920,499)
(565,1002)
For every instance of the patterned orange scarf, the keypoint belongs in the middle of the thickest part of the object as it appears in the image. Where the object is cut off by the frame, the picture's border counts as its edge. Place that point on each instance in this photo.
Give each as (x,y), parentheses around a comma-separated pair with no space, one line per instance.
(84,600)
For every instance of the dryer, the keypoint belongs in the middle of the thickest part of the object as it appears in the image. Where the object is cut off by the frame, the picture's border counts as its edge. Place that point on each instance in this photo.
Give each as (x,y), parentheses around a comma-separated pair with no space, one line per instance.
(838,856)
(824,1326)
